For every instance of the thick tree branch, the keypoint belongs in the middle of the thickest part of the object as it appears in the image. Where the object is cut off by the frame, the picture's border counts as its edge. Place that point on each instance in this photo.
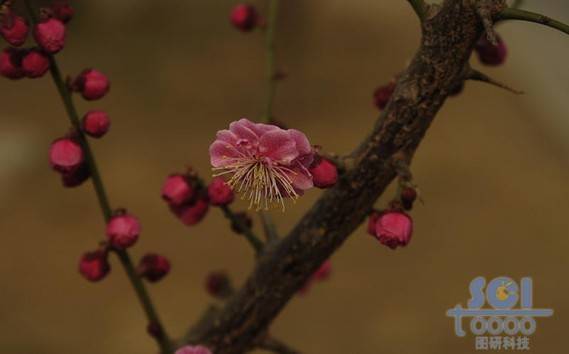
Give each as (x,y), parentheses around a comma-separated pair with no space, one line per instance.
(448,38)
(522,15)
(419,7)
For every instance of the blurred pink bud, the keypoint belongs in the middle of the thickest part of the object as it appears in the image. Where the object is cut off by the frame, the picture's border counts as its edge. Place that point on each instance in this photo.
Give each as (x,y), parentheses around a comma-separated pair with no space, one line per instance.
(76,177)
(490,54)
(219,192)
(123,230)
(177,190)
(190,349)
(244,17)
(193,213)
(14,29)
(394,228)
(62,11)
(92,84)
(372,221)
(65,155)
(153,267)
(35,63)
(324,173)
(218,284)
(382,94)
(96,123)
(10,63)
(94,266)
(50,35)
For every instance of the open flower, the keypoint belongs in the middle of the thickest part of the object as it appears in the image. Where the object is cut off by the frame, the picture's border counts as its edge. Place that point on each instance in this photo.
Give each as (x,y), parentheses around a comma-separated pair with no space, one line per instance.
(263,162)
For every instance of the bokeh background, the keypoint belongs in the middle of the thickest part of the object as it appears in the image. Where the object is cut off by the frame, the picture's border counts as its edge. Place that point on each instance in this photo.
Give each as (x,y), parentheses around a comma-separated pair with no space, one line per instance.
(493,173)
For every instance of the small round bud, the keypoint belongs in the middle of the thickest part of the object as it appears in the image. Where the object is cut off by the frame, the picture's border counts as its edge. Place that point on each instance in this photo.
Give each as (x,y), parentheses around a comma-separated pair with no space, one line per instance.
(193,349)
(10,64)
(372,220)
(408,196)
(65,155)
(76,177)
(177,190)
(244,17)
(94,266)
(50,35)
(219,192)
(92,84)
(153,267)
(245,220)
(394,228)
(96,123)
(62,11)
(35,63)
(14,29)
(218,284)
(123,230)
(193,213)
(382,95)
(324,173)
(490,54)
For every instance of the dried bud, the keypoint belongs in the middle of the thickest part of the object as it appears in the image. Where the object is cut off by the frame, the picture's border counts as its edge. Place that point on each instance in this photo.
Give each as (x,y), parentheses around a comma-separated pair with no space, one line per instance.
(96,123)
(218,284)
(62,11)
(408,196)
(10,63)
(244,17)
(50,35)
(65,155)
(153,267)
(92,84)
(219,192)
(177,190)
(193,349)
(94,266)
(394,228)
(324,173)
(490,54)
(14,29)
(123,230)
(35,63)
(245,220)
(193,213)
(382,94)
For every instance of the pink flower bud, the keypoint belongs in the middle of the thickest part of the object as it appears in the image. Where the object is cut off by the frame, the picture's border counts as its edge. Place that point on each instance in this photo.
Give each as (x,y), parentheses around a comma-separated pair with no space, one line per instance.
(92,84)
(153,267)
(10,64)
(219,192)
(218,284)
(35,64)
(197,349)
(50,35)
(244,17)
(193,213)
(382,94)
(324,173)
(62,11)
(96,123)
(123,230)
(94,266)
(489,54)
(177,190)
(394,228)
(14,29)
(76,177)
(65,155)
(372,221)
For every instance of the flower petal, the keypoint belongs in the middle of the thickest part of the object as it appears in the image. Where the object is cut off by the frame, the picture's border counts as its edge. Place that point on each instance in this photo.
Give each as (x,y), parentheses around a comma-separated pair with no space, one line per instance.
(242,129)
(221,153)
(302,144)
(278,146)
(301,180)
(226,136)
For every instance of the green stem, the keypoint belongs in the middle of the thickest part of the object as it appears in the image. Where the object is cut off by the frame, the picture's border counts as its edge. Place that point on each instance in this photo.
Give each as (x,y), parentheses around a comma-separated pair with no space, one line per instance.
(104,204)
(418,7)
(271,68)
(247,232)
(522,15)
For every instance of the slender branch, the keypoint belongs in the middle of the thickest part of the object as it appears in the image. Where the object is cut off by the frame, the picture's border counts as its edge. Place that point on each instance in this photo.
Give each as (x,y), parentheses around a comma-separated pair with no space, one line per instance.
(522,15)
(100,191)
(269,227)
(276,346)
(245,230)
(476,75)
(271,68)
(419,8)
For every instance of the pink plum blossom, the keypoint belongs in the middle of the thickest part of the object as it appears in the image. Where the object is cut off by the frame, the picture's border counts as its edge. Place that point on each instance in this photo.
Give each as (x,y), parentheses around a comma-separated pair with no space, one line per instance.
(263,162)
(189,349)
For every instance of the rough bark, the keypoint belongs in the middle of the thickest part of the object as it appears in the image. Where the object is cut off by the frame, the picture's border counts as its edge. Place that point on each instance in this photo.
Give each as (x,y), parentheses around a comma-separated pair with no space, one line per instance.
(449,34)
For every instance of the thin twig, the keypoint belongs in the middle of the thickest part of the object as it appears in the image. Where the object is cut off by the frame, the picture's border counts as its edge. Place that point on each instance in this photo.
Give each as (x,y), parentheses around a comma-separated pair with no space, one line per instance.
(271,68)
(522,15)
(245,230)
(419,8)
(269,227)
(100,191)
(476,75)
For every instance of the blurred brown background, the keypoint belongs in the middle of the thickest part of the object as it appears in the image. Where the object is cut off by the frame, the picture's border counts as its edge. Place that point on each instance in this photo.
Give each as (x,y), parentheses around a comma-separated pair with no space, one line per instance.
(493,172)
